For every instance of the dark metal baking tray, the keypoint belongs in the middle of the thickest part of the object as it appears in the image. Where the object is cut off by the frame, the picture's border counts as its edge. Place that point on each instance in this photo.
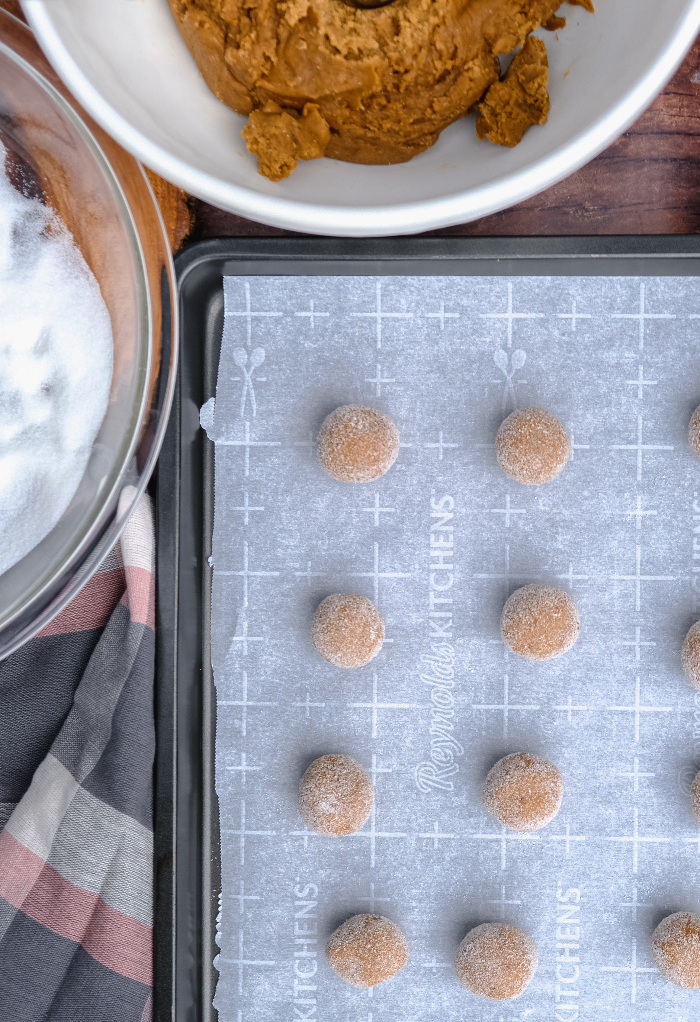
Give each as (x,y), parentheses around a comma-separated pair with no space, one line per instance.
(187,877)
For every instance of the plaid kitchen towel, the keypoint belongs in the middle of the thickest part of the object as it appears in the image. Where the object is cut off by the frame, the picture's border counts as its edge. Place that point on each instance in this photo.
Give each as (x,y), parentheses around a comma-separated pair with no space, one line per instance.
(77,743)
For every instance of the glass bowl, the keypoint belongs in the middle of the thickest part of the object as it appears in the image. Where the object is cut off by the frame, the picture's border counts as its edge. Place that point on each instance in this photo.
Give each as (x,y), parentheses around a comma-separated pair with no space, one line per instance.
(103,196)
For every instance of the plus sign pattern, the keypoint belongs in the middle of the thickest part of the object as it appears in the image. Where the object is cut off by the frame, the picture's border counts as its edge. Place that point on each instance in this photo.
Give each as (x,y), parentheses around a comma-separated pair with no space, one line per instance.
(438,544)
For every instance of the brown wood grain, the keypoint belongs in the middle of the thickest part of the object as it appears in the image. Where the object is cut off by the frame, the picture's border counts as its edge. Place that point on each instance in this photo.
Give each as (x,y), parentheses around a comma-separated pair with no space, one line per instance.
(174,205)
(648,182)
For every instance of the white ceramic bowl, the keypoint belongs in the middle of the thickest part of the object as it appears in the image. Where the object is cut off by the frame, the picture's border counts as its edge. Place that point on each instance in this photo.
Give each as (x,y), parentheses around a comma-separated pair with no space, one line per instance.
(127,64)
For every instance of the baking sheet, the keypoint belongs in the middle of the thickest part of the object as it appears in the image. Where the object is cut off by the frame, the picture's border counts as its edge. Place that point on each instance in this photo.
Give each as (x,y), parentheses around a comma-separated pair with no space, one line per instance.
(615,359)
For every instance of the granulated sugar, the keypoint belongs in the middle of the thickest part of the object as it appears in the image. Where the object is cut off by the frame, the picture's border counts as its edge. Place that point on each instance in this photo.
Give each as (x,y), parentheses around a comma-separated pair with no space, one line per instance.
(675,949)
(335,795)
(366,950)
(497,961)
(532,446)
(357,444)
(55,370)
(347,630)
(540,622)
(523,792)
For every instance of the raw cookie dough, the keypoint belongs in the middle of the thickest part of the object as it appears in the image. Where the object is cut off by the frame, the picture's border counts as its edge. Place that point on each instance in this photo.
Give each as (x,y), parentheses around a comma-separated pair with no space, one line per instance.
(540,622)
(335,796)
(497,961)
(675,949)
(695,798)
(532,446)
(385,80)
(347,630)
(523,792)
(357,444)
(690,655)
(366,950)
(694,431)
(519,99)
(279,138)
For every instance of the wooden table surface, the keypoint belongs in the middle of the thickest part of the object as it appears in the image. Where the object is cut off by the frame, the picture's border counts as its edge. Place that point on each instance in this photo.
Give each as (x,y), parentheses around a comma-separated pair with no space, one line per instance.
(647,182)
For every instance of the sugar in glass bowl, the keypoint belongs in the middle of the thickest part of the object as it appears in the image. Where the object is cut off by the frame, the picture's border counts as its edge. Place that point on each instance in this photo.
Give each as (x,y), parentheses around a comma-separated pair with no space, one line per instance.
(103,197)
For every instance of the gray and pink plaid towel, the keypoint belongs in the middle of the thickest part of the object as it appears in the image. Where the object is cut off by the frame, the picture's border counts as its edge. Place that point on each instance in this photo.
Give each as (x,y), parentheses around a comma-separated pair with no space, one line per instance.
(76,787)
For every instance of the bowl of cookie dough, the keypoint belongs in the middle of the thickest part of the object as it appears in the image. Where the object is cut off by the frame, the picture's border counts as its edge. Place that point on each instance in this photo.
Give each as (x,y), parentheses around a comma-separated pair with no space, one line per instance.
(87,359)
(130,66)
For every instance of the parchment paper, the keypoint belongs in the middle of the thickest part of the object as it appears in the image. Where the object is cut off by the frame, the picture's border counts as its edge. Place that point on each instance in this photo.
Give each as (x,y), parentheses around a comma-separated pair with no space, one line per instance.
(438,544)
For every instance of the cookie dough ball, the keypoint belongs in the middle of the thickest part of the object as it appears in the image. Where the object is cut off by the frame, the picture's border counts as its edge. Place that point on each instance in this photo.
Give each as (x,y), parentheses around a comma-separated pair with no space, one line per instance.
(523,792)
(335,796)
(497,961)
(347,630)
(695,798)
(532,446)
(540,622)
(675,949)
(366,950)
(690,655)
(694,431)
(357,445)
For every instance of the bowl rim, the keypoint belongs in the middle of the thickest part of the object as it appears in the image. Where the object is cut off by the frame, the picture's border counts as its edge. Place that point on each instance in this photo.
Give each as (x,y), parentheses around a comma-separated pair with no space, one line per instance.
(77,545)
(402,218)
(107,521)
(111,535)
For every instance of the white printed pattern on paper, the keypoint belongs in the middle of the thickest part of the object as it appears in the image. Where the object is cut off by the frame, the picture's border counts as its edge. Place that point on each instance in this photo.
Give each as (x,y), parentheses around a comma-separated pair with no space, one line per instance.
(509,363)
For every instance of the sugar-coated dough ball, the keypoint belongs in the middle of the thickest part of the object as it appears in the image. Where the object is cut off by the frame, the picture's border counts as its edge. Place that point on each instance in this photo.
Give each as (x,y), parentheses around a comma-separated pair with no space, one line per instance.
(695,798)
(366,950)
(532,446)
(357,444)
(347,630)
(335,795)
(497,961)
(523,792)
(675,949)
(690,655)
(540,622)
(694,431)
